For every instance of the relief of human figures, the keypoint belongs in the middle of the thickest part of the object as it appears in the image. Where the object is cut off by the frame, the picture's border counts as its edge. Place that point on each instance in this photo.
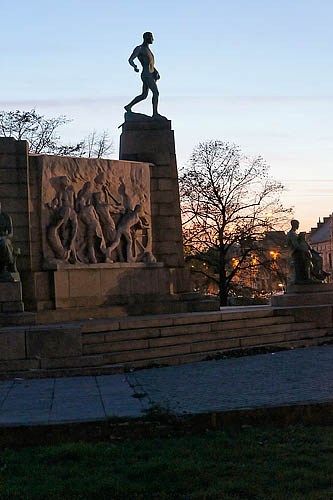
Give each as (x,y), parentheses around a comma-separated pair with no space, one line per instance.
(63,227)
(131,220)
(90,228)
(98,224)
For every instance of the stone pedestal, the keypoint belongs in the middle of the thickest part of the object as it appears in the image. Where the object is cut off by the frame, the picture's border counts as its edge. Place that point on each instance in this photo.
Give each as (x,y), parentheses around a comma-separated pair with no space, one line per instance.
(153,141)
(307,294)
(109,284)
(11,297)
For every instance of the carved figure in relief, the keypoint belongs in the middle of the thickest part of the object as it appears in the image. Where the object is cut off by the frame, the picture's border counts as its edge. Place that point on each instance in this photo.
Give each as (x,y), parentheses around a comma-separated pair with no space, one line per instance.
(149,75)
(99,223)
(88,216)
(126,223)
(127,202)
(7,254)
(102,185)
(104,211)
(62,230)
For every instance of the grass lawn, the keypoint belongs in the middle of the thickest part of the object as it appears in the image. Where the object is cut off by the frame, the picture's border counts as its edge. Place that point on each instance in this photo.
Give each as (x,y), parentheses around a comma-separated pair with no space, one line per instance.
(246,464)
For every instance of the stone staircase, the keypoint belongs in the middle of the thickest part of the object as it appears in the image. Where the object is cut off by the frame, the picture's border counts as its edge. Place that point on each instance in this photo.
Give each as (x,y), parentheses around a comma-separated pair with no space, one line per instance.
(120,344)
(193,337)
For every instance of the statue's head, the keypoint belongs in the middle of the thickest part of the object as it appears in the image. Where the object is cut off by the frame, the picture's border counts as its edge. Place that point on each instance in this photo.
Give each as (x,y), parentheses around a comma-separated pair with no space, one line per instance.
(148,37)
(302,236)
(138,208)
(294,224)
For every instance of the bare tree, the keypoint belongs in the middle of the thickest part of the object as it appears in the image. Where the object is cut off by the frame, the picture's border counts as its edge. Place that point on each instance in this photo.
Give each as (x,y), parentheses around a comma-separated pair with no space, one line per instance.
(43,138)
(99,145)
(228,202)
(39,131)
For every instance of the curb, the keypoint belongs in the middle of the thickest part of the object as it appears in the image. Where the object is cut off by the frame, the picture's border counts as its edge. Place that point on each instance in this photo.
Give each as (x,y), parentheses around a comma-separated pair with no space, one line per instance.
(164,425)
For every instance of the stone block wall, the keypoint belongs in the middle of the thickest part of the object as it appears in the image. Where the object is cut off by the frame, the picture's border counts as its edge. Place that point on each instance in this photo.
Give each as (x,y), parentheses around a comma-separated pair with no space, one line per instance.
(153,141)
(22,195)
(14,194)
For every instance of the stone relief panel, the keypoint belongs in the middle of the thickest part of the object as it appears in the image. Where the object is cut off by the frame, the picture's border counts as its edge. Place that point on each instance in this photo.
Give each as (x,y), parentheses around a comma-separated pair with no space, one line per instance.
(95,211)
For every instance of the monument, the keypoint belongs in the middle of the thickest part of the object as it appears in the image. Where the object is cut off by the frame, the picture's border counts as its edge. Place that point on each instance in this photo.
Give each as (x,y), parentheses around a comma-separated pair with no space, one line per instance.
(101,233)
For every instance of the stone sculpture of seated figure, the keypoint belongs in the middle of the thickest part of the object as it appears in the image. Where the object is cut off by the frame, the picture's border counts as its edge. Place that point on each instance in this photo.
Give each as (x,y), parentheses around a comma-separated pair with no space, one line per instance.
(306,263)
(7,253)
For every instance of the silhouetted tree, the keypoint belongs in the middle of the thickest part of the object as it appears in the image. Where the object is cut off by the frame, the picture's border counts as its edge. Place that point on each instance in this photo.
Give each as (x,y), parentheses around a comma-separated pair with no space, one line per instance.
(98,144)
(43,138)
(228,203)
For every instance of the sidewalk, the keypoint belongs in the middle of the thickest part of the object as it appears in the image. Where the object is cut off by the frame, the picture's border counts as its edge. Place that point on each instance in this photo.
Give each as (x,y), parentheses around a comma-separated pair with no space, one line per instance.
(296,377)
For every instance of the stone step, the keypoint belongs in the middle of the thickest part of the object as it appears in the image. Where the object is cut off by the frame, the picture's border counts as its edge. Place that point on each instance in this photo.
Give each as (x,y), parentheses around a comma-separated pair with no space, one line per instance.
(143,333)
(128,356)
(152,321)
(96,365)
(304,299)
(21,318)
(109,342)
(171,305)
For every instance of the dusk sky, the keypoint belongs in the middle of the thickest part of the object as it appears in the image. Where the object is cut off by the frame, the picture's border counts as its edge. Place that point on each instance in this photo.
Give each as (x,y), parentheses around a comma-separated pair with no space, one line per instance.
(257,73)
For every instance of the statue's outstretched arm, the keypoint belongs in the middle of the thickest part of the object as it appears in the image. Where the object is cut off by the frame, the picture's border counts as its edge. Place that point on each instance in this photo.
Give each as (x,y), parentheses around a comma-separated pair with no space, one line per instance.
(133,56)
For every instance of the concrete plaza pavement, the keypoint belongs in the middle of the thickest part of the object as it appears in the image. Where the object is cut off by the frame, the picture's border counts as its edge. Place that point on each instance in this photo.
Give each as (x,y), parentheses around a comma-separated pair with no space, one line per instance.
(294,377)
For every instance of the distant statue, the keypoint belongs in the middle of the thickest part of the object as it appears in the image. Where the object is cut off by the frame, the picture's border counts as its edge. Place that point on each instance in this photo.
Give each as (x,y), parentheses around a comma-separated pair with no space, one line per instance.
(149,75)
(306,263)
(317,266)
(7,254)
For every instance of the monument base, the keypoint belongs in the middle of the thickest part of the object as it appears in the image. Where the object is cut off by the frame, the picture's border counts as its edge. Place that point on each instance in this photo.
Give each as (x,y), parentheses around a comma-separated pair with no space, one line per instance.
(307,294)
(107,285)
(11,297)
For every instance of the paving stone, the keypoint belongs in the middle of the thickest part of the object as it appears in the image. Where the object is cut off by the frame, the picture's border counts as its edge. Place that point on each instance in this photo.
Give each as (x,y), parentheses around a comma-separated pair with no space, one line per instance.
(29,417)
(19,404)
(289,377)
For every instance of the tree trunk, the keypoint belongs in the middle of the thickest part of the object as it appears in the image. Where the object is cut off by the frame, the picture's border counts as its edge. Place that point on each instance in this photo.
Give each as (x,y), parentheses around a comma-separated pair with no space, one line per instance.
(223,297)
(223,293)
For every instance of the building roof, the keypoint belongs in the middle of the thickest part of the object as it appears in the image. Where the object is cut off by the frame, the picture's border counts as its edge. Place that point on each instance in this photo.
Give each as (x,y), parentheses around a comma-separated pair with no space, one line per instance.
(321,233)
(278,238)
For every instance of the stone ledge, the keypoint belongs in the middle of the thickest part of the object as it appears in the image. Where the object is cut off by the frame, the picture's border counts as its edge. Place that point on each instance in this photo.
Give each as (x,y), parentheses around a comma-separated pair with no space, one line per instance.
(310,288)
(146,123)
(55,266)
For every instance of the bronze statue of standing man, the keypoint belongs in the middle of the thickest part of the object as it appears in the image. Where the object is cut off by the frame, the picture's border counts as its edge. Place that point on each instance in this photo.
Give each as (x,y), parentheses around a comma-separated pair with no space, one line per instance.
(149,74)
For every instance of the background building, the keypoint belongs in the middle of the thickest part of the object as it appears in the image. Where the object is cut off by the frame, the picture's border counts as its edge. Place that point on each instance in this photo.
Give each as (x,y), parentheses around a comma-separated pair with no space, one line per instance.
(321,239)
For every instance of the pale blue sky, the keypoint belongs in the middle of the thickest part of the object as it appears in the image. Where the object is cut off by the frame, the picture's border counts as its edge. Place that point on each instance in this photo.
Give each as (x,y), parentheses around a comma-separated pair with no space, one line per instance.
(255,72)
